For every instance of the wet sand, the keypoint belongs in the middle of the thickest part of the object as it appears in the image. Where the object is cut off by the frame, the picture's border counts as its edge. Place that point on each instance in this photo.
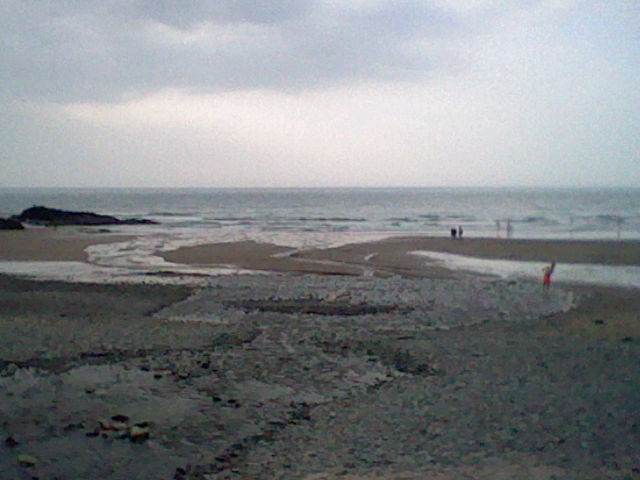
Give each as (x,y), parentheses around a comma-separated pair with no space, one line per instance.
(391,256)
(49,244)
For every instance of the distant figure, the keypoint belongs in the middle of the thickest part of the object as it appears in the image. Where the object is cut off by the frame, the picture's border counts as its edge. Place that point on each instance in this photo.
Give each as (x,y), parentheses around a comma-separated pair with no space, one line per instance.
(497,228)
(546,276)
(571,229)
(509,229)
(619,222)
(460,231)
(454,233)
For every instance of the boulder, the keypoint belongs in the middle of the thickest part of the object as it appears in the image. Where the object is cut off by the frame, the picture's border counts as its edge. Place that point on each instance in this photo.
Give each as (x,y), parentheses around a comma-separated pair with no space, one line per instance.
(10,224)
(52,216)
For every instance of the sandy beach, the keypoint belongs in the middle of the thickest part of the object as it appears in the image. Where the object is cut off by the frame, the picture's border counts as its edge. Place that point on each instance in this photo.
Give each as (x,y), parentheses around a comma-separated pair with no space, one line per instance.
(388,368)
(391,256)
(48,244)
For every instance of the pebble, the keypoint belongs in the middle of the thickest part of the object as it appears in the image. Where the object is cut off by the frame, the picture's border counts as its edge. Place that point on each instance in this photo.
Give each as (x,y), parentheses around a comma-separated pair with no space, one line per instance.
(26,460)
(10,370)
(139,432)
(11,442)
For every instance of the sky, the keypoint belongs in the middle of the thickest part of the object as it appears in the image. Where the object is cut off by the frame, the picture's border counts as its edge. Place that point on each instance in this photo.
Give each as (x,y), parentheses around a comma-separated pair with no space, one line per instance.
(325,93)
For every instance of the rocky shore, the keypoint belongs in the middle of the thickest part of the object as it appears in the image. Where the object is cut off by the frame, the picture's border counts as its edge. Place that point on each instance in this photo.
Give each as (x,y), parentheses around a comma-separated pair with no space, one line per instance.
(40,215)
(312,377)
(9,224)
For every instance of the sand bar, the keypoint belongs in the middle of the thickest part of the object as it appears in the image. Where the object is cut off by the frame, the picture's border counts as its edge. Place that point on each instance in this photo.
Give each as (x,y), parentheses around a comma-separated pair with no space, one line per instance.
(256,256)
(566,251)
(47,244)
(391,256)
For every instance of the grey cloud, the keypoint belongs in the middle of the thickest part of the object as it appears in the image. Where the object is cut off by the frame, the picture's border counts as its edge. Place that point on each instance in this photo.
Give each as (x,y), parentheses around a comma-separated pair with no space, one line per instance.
(181,14)
(80,50)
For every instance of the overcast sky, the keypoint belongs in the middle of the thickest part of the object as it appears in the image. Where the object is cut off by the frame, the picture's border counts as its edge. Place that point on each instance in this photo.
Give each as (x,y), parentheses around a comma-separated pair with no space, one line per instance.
(284,93)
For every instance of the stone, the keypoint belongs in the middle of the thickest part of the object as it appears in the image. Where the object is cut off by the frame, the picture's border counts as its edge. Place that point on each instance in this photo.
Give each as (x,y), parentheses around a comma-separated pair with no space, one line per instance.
(9,370)
(26,460)
(139,432)
(10,224)
(120,418)
(113,425)
(11,442)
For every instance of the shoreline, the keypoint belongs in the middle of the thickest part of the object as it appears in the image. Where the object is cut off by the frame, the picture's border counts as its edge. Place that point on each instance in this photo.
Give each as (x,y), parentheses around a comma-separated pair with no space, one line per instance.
(393,255)
(405,256)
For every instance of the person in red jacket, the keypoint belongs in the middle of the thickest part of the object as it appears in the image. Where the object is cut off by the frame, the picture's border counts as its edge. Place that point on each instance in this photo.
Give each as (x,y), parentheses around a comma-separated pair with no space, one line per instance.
(546,275)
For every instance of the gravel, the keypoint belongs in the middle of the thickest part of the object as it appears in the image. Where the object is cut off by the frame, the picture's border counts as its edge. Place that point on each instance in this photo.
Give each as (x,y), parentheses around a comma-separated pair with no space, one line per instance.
(310,377)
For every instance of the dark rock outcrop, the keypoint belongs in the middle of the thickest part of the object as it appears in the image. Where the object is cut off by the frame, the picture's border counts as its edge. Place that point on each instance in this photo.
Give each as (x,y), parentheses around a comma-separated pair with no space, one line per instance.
(10,224)
(52,216)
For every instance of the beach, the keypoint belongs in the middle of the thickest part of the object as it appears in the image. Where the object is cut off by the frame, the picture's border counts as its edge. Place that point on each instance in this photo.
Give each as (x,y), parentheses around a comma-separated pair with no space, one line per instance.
(392,256)
(47,244)
(359,361)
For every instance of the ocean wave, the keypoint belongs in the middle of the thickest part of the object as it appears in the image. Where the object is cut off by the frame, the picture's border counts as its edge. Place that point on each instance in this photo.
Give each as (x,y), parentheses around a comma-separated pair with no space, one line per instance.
(609,219)
(330,219)
(402,219)
(460,218)
(174,214)
(233,219)
(539,220)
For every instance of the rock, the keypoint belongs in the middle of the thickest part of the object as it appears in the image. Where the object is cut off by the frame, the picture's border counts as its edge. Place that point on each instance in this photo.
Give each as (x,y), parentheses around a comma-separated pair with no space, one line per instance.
(26,460)
(52,216)
(11,442)
(139,432)
(9,370)
(10,224)
(73,426)
(115,424)
(120,418)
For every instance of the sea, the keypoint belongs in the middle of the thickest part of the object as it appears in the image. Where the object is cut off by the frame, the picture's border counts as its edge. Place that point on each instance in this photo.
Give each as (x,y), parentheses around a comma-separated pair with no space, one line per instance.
(321,217)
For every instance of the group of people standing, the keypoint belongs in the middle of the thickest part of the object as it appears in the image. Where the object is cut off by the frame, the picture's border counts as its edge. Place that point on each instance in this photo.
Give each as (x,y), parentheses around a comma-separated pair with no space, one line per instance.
(457,233)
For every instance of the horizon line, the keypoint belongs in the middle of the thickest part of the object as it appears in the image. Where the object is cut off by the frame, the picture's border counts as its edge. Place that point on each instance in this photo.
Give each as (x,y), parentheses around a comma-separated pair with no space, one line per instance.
(325,187)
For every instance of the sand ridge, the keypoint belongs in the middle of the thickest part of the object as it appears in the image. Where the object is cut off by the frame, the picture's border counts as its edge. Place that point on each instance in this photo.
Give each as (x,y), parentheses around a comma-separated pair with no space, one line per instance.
(391,256)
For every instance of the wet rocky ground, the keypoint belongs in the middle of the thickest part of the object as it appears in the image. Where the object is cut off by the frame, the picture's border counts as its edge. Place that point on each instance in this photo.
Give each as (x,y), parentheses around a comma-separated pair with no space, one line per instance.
(311,377)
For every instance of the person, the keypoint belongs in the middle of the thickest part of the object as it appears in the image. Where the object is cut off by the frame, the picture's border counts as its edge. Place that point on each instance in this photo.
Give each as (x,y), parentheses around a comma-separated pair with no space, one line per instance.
(546,275)
(454,232)
(509,229)
(460,231)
